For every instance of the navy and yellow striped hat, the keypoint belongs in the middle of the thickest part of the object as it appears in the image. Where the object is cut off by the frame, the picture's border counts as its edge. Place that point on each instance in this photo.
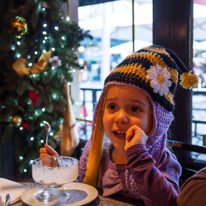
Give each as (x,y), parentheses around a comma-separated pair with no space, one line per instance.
(155,70)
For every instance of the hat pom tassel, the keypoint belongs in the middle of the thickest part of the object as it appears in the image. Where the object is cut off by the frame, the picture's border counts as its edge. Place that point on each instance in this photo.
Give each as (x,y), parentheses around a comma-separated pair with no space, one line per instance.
(189,80)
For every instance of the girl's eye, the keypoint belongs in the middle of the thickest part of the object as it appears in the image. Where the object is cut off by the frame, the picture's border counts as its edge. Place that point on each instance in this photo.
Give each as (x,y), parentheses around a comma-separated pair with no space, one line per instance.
(112,106)
(135,109)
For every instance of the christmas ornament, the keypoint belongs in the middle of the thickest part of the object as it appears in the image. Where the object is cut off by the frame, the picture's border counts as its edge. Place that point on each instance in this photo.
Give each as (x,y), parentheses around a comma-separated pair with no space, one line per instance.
(25,126)
(19,26)
(16,120)
(20,65)
(34,97)
(55,61)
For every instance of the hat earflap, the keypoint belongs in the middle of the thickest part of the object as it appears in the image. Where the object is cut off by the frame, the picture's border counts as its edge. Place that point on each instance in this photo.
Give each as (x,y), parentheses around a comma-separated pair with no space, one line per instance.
(91,175)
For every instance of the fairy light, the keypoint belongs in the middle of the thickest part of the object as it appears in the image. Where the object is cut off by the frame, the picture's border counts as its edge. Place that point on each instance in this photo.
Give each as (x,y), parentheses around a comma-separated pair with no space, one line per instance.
(43,9)
(18,42)
(33,75)
(21,128)
(13,47)
(44,32)
(45,73)
(44,51)
(67,18)
(35,52)
(54,96)
(44,41)
(41,124)
(25,170)
(77,103)
(29,64)
(18,55)
(44,25)
(46,37)
(53,68)
(51,134)
(63,38)
(56,28)
(32,138)
(31,161)
(21,158)
(28,56)
(43,109)
(74,70)
(53,49)
(42,141)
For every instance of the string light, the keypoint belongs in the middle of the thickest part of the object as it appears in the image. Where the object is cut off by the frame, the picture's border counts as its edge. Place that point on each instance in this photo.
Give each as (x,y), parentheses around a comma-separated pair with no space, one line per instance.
(28,56)
(42,141)
(67,18)
(63,38)
(43,9)
(18,55)
(21,128)
(54,96)
(74,70)
(31,161)
(43,109)
(32,138)
(44,51)
(29,64)
(51,134)
(44,32)
(44,25)
(44,41)
(35,52)
(33,75)
(25,170)
(56,28)
(53,49)
(53,68)
(41,124)
(12,47)
(46,37)
(18,42)
(21,158)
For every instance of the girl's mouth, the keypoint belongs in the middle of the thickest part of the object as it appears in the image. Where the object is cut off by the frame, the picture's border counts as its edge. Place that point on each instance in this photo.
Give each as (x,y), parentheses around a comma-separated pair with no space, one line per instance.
(120,135)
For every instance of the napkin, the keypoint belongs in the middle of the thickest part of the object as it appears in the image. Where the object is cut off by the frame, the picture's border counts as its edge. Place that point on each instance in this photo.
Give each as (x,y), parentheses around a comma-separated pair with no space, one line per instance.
(14,188)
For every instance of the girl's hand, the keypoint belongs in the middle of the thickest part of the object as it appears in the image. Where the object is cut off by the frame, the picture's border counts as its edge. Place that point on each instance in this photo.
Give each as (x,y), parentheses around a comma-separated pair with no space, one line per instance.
(47,151)
(135,135)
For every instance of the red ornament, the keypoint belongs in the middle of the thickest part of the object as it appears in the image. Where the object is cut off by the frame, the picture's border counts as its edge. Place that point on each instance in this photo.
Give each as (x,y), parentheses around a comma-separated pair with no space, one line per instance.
(34,97)
(25,126)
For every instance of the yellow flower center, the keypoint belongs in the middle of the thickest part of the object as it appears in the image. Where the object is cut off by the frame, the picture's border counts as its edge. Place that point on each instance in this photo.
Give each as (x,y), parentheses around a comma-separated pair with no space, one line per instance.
(160,79)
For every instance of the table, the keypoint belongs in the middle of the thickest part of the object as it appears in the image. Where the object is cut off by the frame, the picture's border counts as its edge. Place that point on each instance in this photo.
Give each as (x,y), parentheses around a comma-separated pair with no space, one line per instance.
(114,200)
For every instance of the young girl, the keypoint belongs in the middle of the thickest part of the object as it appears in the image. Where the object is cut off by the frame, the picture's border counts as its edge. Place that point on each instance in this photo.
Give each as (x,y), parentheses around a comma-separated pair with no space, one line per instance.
(135,111)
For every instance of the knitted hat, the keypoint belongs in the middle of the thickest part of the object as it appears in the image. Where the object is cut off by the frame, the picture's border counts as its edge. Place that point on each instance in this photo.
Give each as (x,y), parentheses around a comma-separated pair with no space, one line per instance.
(154,70)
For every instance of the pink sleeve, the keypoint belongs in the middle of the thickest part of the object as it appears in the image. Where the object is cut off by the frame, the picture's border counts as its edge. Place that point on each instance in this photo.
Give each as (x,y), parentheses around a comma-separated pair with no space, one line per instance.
(156,185)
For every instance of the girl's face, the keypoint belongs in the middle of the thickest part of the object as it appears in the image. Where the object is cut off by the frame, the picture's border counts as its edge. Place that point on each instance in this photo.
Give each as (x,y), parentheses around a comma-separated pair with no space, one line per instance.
(126,106)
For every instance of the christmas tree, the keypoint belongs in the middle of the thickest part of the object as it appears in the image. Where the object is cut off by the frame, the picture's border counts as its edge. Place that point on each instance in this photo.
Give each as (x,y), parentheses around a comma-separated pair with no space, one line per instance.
(38,49)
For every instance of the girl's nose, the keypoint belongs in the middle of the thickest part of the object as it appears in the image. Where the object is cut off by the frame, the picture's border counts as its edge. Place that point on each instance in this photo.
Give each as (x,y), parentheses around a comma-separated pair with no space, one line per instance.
(121,117)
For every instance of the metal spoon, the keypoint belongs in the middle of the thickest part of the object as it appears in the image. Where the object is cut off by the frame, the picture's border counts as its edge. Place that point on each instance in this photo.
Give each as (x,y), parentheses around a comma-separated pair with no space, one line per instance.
(48,130)
(8,198)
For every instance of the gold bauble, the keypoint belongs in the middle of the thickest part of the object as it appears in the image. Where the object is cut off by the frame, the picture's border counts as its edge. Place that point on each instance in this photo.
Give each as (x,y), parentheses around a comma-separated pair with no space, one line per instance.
(19,26)
(16,120)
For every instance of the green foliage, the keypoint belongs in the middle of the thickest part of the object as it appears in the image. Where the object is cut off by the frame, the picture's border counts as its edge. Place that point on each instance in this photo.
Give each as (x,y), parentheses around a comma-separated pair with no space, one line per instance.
(27,96)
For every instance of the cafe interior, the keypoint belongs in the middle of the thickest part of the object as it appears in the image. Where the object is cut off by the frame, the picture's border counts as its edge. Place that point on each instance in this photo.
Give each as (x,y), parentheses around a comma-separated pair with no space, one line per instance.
(172,27)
